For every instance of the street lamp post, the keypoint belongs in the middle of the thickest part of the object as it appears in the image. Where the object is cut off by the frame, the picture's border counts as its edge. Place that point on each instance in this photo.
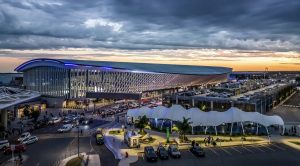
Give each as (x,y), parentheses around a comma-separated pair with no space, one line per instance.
(77,123)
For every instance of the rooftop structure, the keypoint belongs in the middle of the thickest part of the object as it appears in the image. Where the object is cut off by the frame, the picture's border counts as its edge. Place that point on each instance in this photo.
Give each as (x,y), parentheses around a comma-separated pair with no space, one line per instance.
(13,96)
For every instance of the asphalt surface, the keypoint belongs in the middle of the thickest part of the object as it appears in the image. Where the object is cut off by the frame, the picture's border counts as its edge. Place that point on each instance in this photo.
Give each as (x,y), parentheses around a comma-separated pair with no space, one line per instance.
(294,100)
(287,111)
(53,146)
(53,128)
(274,154)
(106,156)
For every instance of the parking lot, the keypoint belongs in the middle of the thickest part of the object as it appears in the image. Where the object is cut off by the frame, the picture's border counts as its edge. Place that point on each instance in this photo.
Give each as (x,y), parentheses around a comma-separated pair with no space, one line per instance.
(268,154)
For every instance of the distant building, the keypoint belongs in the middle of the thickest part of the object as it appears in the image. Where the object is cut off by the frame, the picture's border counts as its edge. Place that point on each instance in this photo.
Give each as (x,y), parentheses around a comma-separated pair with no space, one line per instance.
(11,79)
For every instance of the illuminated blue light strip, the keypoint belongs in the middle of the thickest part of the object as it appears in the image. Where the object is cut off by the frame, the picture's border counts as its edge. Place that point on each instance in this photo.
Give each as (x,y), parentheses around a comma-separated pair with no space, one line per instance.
(35,60)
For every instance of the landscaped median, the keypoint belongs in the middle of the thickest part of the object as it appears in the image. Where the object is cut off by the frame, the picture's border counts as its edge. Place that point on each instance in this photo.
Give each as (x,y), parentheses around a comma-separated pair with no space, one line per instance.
(292,142)
(83,159)
(74,160)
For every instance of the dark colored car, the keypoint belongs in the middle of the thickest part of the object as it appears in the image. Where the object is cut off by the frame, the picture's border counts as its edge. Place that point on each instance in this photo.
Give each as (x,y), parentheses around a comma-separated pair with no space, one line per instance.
(198,151)
(150,154)
(18,148)
(162,152)
(40,124)
(174,152)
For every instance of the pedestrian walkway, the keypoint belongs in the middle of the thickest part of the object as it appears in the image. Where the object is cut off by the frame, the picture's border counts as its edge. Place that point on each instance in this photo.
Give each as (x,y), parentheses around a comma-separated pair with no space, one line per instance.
(120,150)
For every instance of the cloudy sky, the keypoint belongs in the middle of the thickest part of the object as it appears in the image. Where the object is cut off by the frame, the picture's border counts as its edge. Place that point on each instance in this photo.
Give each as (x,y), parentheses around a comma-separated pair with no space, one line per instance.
(242,34)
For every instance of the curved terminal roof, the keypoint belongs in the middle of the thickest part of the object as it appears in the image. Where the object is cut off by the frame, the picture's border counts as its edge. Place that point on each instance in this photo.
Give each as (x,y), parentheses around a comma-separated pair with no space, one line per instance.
(133,67)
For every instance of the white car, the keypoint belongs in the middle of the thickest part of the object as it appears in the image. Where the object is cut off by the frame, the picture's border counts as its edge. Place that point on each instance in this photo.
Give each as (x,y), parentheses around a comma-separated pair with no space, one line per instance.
(55,120)
(24,136)
(30,140)
(65,128)
(4,144)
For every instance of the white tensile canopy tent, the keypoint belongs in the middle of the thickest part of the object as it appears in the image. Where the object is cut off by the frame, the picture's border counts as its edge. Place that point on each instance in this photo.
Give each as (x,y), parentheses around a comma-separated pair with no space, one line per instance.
(208,119)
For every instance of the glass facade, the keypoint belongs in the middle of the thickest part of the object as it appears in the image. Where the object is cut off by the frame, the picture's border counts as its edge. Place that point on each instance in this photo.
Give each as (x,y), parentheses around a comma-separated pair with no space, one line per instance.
(49,81)
(75,81)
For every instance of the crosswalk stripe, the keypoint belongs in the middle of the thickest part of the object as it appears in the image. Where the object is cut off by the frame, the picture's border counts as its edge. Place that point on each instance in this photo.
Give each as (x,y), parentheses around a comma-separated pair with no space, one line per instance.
(266,146)
(257,148)
(247,149)
(278,147)
(235,149)
(226,151)
(213,151)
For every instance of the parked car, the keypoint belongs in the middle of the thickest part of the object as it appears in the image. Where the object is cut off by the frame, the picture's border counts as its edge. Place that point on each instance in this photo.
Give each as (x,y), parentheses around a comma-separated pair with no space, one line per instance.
(162,152)
(150,153)
(99,139)
(173,151)
(67,121)
(40,124)
(4,144)
(87,121)
(65,128)
(54,120)
(24,136)
(197,150)
(30,140)
(18,148)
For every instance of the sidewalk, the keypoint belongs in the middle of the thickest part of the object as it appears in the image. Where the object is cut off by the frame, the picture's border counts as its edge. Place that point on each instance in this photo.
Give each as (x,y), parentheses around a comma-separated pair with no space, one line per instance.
(116,145)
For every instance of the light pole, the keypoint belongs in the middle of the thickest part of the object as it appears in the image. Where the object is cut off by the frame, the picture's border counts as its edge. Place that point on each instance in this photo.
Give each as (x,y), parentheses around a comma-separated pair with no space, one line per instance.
(77,123)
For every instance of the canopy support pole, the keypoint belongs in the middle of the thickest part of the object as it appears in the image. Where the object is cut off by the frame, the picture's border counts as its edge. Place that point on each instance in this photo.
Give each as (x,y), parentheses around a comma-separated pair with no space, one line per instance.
(267,130)
(205,130)
(192,130)
(243,128)
(231,128)
(216,130)
(283,129)
(162,124)
(268,134)
(256,128)
(171,125)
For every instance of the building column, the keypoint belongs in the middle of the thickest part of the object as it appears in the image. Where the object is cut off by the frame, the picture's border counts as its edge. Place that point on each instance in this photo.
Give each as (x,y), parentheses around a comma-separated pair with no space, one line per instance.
(176,99)
(4,118)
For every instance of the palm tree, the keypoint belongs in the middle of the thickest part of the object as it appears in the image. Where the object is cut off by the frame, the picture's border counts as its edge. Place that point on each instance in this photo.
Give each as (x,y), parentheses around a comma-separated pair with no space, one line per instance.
(142,124)
(184,127)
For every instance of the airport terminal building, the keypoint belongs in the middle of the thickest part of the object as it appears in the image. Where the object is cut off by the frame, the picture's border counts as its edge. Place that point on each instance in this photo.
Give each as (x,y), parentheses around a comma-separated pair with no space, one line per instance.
(73,79)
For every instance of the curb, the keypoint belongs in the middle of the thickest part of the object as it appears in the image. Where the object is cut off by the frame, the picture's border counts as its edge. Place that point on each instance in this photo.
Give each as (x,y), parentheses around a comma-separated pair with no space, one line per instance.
(108,144)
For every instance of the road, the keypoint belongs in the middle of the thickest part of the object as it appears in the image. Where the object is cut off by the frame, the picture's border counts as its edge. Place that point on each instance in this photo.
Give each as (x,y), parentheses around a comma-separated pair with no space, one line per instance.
(53,146)
(274,154)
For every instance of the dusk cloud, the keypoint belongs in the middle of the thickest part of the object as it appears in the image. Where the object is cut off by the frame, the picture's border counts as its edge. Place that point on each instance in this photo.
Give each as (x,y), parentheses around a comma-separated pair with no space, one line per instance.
(133,24)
